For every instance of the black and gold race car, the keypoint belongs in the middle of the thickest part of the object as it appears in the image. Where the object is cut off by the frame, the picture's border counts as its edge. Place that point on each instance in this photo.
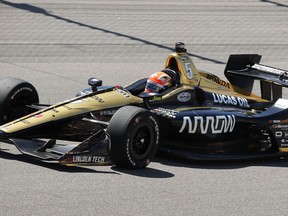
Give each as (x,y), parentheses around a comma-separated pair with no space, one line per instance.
(199,117)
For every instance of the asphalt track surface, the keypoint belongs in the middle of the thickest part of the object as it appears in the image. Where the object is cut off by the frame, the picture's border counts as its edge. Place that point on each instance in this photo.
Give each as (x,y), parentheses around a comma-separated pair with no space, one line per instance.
(58,45)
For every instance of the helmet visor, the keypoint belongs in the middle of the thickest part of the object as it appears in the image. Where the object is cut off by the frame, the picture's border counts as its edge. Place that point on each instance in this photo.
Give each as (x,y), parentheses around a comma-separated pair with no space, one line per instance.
(153,87)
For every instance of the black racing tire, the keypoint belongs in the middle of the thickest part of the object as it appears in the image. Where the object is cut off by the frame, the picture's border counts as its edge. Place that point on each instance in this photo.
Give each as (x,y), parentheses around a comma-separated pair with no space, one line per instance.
(134,134)
(15,95)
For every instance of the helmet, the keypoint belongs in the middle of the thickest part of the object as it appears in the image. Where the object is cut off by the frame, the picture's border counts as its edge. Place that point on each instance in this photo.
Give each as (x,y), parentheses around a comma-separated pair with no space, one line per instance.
(157,82)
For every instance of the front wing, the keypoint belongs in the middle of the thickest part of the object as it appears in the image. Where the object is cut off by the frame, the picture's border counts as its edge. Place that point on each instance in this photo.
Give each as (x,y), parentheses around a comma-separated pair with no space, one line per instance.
(93,150)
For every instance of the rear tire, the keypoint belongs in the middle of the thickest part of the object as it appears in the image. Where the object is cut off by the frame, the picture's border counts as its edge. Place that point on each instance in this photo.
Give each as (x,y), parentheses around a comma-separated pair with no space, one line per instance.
(134,134)
(15,95)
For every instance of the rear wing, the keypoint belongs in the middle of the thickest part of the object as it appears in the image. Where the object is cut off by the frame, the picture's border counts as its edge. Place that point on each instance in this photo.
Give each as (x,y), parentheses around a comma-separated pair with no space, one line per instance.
(242,70)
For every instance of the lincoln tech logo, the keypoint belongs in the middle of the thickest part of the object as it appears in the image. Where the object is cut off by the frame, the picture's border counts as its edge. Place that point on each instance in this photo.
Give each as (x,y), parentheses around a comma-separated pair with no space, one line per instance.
(208,124)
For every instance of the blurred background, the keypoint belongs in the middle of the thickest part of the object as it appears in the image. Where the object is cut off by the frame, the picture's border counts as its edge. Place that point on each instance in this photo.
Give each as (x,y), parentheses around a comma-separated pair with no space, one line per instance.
(58,45)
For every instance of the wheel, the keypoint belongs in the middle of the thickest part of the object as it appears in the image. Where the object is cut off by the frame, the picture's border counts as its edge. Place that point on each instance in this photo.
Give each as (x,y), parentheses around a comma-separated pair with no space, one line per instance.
(134,134)
(15,95)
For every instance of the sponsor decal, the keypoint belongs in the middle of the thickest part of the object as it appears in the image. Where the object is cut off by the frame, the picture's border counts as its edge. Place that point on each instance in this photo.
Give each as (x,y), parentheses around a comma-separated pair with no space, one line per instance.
(166,112)
(156,98)
(204,124)
(184,97)
(156,129)
(278,121)
(19,90)
(128,152)
(67,107)
(230,100)
(269,69)
(283,144)
(279,126)
(88,159)
(274,121)
(26,122)
(217,80)
(189,71)
(278,133)
(38,116)
(100,100)
(195,79)
(122,92)
(55,110)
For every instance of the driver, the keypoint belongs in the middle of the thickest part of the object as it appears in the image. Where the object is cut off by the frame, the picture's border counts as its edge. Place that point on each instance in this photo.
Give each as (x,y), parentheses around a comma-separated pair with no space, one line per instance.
(158,82)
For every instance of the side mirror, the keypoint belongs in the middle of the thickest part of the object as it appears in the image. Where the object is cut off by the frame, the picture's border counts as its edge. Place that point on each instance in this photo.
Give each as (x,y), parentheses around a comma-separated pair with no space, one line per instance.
(94,83)
(150,96)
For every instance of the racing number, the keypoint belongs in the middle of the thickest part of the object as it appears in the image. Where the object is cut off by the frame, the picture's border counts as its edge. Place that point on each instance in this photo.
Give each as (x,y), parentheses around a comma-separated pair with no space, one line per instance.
(189,71)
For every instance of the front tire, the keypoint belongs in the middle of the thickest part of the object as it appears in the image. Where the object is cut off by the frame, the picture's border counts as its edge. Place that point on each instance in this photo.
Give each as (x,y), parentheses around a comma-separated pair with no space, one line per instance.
(15,95)
(134,134)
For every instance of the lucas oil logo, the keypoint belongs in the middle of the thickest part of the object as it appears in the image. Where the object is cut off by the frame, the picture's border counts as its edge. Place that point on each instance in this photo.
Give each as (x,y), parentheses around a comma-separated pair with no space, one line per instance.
(230,100)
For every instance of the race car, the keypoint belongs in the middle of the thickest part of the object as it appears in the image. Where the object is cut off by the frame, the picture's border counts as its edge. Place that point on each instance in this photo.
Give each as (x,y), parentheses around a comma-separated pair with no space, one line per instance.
(200,117)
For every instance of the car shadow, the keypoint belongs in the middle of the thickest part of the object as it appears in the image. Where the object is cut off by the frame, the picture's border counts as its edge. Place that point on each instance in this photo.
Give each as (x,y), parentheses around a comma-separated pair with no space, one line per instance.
(147,172)
(223,164)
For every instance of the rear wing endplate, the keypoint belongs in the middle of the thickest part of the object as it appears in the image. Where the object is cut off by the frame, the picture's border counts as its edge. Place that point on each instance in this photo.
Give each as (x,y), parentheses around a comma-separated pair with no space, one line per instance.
(242,70)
